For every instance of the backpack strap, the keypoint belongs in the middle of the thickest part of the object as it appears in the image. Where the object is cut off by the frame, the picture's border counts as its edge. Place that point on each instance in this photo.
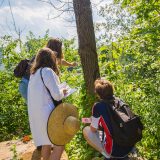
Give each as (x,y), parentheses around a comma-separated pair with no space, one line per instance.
(121,104)
(44,83)
(109,104)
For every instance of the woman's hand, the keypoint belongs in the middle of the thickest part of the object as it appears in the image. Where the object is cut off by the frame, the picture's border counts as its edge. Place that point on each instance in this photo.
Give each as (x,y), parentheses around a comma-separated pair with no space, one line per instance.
(74,64)
(64,91)
(66,63)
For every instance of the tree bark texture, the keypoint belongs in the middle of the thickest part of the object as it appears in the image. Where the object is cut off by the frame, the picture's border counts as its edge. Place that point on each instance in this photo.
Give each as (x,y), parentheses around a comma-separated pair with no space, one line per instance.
(87,43)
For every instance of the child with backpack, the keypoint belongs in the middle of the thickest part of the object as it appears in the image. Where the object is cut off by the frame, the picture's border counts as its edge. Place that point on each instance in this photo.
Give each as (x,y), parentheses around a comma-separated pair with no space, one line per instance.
(103,118)
(22,71)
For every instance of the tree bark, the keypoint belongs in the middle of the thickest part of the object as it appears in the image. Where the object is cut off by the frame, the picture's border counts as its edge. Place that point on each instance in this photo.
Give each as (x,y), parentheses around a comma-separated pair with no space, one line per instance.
(87,43)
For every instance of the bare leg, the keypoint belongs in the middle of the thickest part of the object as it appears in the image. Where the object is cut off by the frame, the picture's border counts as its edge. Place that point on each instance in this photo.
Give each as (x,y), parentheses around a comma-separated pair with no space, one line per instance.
(46,152)
(56,153)
(93,140)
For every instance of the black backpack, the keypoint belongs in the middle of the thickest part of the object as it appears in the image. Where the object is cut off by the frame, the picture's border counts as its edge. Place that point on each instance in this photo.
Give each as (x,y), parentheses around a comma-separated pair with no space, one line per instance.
(127,127)
(21,68)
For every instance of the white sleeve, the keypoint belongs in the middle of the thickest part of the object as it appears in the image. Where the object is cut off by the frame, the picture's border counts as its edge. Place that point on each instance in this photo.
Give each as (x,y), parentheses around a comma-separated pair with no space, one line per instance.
(94,122)
(51,81)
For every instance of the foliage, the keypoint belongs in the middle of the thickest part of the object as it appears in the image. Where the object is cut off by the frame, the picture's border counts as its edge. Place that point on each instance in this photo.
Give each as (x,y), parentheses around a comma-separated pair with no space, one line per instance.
(15,155)
(116,23)
(130,62)
(138,85)
(13,110)
(78,147)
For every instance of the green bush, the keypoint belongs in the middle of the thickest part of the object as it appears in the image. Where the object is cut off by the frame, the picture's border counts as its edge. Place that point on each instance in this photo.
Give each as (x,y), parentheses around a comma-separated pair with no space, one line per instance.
(131,64)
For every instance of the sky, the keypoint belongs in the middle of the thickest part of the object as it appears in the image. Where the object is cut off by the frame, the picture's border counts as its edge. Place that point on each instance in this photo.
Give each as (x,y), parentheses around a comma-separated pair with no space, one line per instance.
(35,16)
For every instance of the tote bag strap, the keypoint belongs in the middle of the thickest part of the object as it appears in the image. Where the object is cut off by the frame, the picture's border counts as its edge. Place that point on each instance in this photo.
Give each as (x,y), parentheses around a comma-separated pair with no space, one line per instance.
(56,103)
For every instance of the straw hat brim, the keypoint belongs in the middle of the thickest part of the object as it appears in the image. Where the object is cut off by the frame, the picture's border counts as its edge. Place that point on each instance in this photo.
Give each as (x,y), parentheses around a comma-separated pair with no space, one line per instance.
(55,127)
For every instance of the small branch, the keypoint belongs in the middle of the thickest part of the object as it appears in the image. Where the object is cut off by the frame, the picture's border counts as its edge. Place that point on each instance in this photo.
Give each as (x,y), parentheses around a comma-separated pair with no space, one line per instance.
(97,4)
(69,2)
(57,8)
(14,23)
(56,16)
(50,3)
(18,31)
(64,7)
(71,19)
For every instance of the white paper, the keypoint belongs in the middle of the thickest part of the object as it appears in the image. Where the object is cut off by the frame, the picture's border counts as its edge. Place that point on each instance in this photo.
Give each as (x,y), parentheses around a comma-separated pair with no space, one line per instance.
(62,85)
(70,91)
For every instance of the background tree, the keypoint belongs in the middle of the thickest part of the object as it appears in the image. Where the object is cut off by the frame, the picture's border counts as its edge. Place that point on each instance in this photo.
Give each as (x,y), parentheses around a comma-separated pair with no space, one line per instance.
(136,55)
(130,61)
(86,36)
(87,44)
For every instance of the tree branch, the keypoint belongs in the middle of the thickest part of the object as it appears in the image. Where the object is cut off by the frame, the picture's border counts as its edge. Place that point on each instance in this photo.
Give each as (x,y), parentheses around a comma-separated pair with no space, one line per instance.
(14,23)
(65,6)
(56,16)
(50,3)
(18,31)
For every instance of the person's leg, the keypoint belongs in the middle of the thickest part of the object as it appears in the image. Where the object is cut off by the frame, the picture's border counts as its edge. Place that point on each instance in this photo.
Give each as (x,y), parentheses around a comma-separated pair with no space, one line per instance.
(46,152)
(56,153)
(93,140)
(39,148)
(126,158)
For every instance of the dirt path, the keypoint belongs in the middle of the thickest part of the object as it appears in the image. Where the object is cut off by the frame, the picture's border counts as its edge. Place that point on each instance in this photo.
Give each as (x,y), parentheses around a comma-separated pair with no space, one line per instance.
(25,151)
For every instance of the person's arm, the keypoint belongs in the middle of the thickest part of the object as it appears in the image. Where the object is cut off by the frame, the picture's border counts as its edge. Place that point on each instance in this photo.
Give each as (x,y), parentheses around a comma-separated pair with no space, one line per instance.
(93,129)
(66,63)
(51,81)
(95,119)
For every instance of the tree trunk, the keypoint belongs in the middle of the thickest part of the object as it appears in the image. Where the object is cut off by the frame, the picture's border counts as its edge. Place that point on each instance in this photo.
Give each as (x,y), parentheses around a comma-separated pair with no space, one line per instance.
(87,43)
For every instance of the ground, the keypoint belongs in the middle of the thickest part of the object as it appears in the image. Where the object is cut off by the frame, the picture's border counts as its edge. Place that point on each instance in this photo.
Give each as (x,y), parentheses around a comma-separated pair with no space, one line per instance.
(27,151)
(24,151)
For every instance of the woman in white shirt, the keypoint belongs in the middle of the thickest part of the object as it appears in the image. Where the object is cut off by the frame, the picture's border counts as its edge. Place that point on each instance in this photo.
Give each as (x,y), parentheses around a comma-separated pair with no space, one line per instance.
(40,103)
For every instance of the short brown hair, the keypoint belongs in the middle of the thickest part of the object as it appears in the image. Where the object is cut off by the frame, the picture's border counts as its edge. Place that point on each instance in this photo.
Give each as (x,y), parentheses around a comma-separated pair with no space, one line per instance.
(45,58)
(103,88)
(55,45)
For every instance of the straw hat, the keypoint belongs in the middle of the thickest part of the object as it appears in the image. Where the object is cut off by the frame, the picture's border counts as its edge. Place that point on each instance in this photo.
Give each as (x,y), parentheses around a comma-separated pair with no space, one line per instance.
(63,124)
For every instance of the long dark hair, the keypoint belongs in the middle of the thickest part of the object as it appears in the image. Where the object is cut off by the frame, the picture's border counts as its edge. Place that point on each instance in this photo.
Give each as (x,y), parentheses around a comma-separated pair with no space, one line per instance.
(45,58)
(55,45)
